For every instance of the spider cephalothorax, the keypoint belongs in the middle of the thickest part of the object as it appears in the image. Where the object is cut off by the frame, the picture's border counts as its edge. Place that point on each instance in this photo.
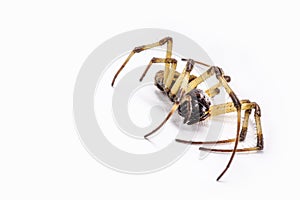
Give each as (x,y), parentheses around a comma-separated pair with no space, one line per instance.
(193,104)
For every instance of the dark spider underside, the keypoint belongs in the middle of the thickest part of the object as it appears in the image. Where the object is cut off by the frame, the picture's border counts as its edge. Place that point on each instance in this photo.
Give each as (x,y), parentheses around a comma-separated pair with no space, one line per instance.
(199,106)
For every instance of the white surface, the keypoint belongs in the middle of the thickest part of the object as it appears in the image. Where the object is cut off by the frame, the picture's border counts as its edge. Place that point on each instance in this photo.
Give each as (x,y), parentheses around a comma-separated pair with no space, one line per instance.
(42,48)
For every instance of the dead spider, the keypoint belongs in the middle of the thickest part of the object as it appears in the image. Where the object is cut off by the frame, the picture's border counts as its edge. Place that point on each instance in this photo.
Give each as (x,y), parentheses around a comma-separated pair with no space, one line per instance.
(193,104)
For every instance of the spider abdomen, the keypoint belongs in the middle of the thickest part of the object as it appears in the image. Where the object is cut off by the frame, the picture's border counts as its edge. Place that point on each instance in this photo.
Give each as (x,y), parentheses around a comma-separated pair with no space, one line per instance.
(195,108)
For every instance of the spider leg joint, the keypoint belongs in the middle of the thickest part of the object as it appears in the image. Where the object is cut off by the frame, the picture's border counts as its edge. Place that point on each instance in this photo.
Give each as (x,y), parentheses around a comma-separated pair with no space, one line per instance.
(164,40)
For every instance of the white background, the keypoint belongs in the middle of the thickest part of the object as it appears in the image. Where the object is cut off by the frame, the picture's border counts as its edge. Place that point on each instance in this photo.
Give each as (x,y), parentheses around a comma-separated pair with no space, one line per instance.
(42,47)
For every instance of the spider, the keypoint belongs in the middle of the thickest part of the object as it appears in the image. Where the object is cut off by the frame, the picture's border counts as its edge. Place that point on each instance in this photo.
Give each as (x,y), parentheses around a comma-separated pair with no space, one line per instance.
(193,104)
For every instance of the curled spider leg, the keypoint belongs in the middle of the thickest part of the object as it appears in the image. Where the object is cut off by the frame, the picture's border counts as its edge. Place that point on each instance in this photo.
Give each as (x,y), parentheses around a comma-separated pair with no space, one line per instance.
(174,108)
(139,49)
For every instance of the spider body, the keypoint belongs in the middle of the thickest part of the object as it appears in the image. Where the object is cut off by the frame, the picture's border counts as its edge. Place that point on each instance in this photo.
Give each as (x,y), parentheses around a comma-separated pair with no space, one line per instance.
(194,104)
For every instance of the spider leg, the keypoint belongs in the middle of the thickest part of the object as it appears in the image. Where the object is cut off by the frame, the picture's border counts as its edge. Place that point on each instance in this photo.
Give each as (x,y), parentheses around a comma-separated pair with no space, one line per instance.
(206,142)
(214,90)
(247,106)
(198,62)
(138,49)
(178,90)
(245,124)
(171,61)
(259,145)
(174,108)
(230,150)
(229,107)
(218,72)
